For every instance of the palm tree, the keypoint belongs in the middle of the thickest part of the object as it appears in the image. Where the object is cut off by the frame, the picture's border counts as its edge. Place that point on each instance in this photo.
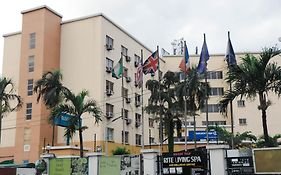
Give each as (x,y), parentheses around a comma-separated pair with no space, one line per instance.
(51,90)
(238,138)
(273,141)
(76,106)
(7,96)
(193,91)
(163,102)
(255,77)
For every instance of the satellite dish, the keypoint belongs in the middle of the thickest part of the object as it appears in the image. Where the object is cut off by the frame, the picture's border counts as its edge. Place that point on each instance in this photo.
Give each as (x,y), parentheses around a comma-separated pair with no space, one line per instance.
(279,39)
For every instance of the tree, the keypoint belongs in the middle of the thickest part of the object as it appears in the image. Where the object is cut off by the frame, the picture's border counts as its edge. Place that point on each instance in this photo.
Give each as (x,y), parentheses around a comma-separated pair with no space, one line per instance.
(255,77)
(50,88)
(76,106)
(193,91)
(9,101)
(120,151)
(273,141)
(163,102)
(225,136)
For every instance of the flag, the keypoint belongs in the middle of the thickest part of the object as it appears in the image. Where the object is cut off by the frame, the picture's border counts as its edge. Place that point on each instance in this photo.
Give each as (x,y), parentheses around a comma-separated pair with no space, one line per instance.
(204,57)
(230,55)
(118,69)
(139,76)
(151,64)
(184,64)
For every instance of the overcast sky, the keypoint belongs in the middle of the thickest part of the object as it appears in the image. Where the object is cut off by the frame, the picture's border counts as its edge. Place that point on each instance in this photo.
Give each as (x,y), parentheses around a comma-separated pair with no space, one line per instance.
(253,23)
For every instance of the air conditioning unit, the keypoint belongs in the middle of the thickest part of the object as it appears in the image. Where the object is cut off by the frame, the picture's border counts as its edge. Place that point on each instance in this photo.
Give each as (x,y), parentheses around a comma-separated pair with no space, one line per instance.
(128,121)
(136,63)
(108,69)
(128,100)
(109,115)
(128,79)
(109,47)
(109,92)
(128,59)
(138,103)
(26,148)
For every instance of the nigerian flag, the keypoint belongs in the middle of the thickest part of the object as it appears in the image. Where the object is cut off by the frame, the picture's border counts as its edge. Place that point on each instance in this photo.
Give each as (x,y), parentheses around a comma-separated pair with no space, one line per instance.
(118,69)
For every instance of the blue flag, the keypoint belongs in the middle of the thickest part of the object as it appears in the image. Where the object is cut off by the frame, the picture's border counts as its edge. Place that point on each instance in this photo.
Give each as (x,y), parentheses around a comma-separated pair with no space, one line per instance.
(204,57)
(230,55)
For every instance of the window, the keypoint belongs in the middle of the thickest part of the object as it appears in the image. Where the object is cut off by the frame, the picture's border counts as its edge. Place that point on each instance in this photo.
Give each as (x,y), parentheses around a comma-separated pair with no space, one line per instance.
(26,136)
(181,76)
(137,99)
(31,63)
(125,72)
(137,60)
(126,137)
(109,87)
(151,140)
(138,139)
(126,113)
(109,108)
(214,75)
(29,87)
(124,51)
(110,134)
(25,161)
(214,123)
(138,119)
(150,122)
(32,40)
(28,113)
(109,43)
(124,92)
(242,121)
(241,103)
(216,91)
(108,64)
(188,123)
(212,108)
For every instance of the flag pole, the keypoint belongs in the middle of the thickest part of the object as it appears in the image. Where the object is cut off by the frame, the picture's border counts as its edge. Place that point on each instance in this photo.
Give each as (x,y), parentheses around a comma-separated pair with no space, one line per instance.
(185,117)
(142,108)
(231,107)
(123,102)
(206,100)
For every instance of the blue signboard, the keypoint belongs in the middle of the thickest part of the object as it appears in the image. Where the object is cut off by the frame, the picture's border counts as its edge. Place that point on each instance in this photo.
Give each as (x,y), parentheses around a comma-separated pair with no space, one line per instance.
(63,120)
(201,135)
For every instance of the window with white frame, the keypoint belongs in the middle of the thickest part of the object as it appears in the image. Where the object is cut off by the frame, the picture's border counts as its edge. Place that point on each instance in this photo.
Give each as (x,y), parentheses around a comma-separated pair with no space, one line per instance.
(124,51)
(31,63)
(32,40)
(242,121)
(126,113)
(109,108)
(109,86)
(137,99)
(138,119)
(110,134)
(212,108)
(29,87)
(241,103)
(28,113)
(124,92)
(138,139)
(126,137)
(214,75)
(137,60)
(109,43)
(151,140)
(108,64)
(216,91)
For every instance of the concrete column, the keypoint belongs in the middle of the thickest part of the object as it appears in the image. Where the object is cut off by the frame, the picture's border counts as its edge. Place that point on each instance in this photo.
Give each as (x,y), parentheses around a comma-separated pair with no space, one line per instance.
(93,163)
(46,158)
(150,161)
(217,159)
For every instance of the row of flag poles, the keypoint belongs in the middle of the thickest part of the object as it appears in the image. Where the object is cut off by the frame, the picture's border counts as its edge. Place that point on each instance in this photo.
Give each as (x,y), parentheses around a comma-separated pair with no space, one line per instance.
(151,65)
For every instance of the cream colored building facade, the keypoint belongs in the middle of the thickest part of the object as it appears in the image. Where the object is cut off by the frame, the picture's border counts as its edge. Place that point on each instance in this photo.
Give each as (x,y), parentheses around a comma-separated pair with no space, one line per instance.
(85,50)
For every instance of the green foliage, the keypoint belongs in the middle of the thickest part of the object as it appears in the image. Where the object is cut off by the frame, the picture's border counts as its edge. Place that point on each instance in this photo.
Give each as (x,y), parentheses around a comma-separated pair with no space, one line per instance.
(273,141)
(238,139)
(255,77)
(120,151)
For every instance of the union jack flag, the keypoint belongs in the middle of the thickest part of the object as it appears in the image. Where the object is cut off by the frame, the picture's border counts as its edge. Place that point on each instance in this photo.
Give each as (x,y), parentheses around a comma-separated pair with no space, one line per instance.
(151,64)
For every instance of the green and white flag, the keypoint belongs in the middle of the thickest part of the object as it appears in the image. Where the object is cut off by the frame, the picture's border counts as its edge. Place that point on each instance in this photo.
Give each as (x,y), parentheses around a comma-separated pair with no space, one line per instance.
(118,69)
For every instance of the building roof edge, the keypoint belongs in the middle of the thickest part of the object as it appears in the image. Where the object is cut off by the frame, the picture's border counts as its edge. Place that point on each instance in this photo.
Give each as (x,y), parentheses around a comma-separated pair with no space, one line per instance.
(41,7)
